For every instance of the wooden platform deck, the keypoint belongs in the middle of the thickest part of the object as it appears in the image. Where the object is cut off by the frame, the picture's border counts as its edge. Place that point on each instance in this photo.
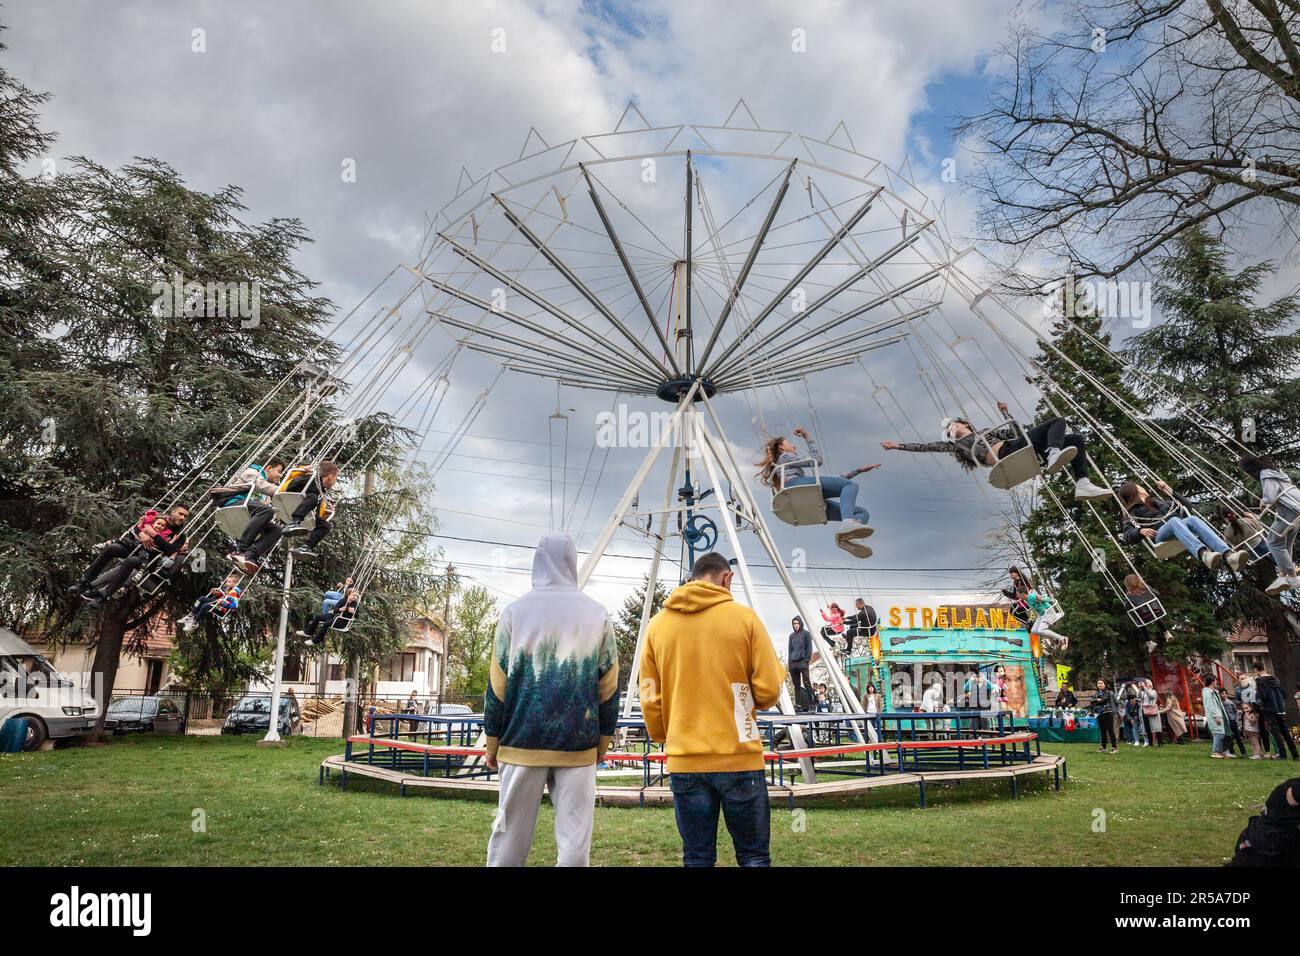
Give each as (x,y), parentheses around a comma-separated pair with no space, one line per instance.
(791,794)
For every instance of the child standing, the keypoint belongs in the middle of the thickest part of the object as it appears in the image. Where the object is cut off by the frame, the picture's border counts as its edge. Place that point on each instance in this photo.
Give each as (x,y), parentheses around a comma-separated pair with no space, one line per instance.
(1250,722)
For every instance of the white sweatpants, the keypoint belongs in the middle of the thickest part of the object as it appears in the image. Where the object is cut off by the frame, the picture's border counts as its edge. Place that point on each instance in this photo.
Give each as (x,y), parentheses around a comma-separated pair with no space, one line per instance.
(573,795)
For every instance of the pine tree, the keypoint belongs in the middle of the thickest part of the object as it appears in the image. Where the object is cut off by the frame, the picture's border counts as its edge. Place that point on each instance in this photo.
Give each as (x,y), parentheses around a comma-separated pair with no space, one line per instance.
(628,625)
(1103,642)
(107,398)
(1234,364)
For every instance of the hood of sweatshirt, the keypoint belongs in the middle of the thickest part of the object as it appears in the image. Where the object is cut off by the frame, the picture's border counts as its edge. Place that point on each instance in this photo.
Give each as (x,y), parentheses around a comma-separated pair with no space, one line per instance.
(555,564)
(695,596)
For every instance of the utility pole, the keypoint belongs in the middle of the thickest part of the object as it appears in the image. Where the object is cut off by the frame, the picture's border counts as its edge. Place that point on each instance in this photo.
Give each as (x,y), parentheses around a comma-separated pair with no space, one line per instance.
(446,637)
(315,391)
(352,701)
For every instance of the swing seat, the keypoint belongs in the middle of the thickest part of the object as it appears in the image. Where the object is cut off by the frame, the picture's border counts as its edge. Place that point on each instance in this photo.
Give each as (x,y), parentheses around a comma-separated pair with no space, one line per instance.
(1165,549)
(1148,612)
(232,520)
(801,504)
(342,622)
(286,502)
(151,583)
(1015,469)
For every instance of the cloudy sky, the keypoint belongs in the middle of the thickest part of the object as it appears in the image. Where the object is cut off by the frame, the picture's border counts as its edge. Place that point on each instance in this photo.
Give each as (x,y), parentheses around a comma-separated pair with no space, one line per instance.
(277,97)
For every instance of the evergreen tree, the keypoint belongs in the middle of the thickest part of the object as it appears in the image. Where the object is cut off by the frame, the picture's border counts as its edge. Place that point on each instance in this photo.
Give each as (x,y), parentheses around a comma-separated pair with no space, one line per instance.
(470,653)
(628,624)
(109,396)
(1103,642)
(1233,363)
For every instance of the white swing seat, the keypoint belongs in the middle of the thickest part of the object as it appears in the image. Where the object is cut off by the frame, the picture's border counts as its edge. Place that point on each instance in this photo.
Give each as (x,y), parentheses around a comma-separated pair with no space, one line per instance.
(1251,543)
(1164,550)
(152,582)
(233,520)
(1146,613)
(800,505)
(1053,614)
(1015,469)
(342,622)
(286,502)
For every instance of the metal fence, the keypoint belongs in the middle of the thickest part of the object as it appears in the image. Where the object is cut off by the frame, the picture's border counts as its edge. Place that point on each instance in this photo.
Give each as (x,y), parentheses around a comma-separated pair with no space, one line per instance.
(202,713)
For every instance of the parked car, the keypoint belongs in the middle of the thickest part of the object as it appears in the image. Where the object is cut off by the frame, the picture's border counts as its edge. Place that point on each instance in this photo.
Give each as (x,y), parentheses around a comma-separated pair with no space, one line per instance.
(447,709)
(30,688)
(148,715)
(252,715)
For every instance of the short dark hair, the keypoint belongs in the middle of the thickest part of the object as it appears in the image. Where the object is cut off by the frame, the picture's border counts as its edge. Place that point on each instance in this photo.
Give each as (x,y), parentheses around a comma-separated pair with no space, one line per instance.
(1257,665)
(274,460)
(1209,680)
(709,565)
(328,468)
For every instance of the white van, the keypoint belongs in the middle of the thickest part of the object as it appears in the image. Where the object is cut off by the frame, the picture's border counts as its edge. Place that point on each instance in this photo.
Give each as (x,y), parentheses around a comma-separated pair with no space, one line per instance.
(29,687)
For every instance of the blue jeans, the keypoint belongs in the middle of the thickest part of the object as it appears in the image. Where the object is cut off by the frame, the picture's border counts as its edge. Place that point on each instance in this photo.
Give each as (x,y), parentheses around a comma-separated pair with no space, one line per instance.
(1281,542)
(841,497)
(1219,744)
(742,797)
(1193,534)
(1138,729)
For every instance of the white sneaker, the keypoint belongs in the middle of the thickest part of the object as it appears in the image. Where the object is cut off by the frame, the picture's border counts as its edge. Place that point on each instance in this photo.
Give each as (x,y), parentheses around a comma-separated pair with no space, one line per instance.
(1237,559)
(1058,458)
(187,623)
(1211,559)
(1280,583)
(853,548)
(855,530)
(1085,490)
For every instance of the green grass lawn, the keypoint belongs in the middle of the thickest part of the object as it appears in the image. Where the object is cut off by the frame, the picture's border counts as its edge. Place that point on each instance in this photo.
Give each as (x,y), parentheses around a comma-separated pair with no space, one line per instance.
(133,801)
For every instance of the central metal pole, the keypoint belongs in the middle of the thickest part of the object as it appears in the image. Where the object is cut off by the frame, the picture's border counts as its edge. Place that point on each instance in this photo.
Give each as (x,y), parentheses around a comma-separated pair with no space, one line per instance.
(687,360)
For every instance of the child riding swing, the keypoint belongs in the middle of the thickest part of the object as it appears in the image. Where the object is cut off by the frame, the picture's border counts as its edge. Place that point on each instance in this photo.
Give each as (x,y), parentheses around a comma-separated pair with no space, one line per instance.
(1053,445)
(783,467)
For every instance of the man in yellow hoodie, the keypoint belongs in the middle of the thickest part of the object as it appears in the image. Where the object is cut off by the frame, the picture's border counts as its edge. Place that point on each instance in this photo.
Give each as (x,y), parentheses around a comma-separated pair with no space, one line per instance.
(706,666)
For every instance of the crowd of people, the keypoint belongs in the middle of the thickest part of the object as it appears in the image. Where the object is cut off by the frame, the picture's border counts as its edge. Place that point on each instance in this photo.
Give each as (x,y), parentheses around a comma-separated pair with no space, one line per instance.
(1249,721)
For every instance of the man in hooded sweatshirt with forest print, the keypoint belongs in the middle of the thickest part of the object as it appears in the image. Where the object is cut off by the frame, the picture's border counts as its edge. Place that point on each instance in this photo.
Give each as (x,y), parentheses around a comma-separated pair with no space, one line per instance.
(550,709)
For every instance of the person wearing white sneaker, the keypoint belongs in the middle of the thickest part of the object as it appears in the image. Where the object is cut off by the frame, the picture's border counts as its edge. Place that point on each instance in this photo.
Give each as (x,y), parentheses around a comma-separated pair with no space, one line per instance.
(1056,446)
(1045,614)
(782,466)
(1160,519)
(1279,495)
(1216,720)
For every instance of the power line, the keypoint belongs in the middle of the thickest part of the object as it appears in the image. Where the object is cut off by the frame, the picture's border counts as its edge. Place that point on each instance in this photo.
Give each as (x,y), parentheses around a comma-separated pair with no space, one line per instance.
(646,557)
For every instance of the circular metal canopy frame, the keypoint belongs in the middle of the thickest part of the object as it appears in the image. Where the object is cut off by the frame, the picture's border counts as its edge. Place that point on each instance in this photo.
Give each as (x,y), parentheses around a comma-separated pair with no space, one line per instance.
(647,258)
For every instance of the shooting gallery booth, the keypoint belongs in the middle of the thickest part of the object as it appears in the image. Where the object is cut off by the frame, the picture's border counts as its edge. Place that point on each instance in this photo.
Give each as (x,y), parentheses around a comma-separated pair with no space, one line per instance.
(973,652)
